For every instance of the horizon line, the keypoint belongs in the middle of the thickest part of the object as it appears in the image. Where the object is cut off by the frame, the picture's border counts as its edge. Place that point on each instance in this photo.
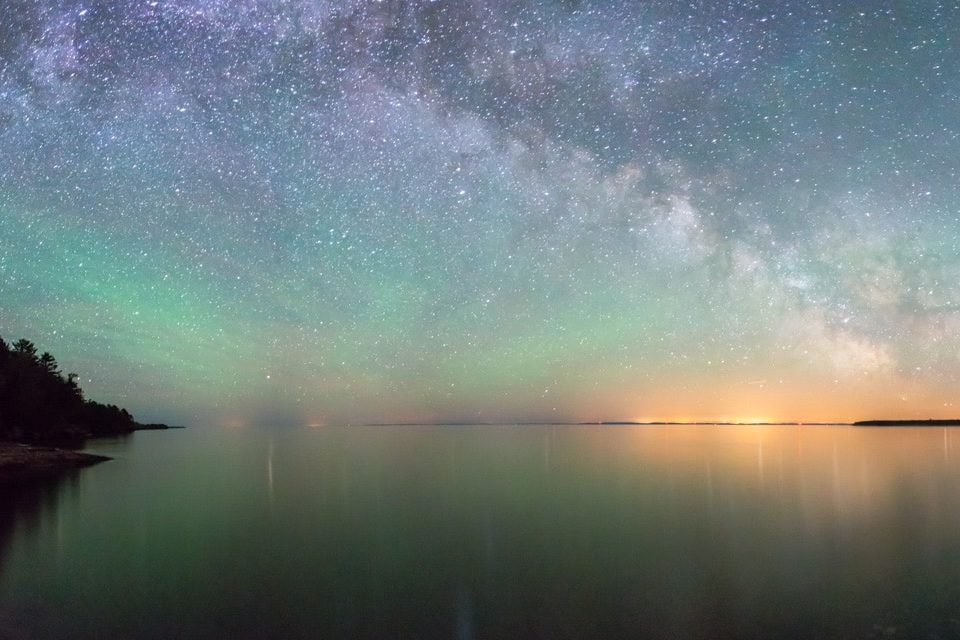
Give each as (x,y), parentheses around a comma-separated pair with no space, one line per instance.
(813,423)
(467,423)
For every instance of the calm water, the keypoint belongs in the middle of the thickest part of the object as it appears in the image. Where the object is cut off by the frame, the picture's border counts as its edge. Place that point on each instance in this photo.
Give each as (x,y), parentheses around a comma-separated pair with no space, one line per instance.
(493,532)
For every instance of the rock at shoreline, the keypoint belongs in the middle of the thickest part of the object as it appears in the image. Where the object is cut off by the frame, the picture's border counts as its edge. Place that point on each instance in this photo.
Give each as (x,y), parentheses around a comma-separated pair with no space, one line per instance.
(21,461)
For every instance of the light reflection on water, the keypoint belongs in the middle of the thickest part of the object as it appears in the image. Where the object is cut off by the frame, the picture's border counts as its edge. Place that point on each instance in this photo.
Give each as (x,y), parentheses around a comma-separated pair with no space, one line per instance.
(529,531)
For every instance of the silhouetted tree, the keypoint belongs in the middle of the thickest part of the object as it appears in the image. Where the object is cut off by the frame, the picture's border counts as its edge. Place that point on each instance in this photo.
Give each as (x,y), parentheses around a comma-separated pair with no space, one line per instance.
(25,347)
(71,383)
(49,363)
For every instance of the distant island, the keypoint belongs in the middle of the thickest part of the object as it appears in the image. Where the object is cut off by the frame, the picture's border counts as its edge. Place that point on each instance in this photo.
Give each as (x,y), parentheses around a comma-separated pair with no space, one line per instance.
(42,408)
(908,423)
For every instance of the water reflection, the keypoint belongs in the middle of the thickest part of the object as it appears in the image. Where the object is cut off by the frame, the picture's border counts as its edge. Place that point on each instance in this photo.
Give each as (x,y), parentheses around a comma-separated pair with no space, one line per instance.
(499,532)
(270,470)
(27,506)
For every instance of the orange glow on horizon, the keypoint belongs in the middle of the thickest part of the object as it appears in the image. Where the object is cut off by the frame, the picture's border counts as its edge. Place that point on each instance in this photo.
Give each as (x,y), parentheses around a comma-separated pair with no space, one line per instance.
(799,400)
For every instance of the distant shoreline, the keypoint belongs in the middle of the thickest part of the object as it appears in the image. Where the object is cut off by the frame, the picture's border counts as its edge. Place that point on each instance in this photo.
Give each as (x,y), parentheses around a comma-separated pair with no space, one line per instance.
(908,423)
(614,423)
(158,426)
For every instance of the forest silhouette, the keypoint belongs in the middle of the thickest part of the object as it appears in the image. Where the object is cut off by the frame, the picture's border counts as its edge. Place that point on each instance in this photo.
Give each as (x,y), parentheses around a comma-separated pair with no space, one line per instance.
(41,405)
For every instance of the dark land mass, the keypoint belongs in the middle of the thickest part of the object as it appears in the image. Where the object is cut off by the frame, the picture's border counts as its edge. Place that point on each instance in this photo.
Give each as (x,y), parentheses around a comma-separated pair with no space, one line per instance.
(41,405)
(45,408)
(908,423)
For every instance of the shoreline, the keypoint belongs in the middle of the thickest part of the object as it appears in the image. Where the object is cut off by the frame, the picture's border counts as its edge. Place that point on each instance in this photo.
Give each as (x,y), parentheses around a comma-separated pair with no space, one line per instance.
(20,462)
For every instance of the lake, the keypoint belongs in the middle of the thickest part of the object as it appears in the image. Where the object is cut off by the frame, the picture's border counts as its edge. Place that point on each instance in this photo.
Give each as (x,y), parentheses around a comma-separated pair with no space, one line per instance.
(493,532)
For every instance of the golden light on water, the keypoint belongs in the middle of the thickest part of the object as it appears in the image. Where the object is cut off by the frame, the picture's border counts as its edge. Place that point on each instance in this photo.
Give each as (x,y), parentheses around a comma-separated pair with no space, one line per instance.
(860,469)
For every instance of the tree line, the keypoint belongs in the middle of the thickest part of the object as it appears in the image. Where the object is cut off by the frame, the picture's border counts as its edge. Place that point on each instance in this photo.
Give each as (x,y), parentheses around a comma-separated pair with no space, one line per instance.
(40,404)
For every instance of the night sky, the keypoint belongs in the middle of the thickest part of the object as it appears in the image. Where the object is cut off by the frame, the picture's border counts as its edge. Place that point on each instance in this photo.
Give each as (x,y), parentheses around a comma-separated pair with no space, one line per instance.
(255,211)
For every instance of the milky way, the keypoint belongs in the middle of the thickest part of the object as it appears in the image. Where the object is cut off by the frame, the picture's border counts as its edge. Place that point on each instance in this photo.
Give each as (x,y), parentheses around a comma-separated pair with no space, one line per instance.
(313,212)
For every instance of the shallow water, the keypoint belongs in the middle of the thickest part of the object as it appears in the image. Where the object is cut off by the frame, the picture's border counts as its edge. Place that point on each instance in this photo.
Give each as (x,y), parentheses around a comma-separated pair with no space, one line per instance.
(493,532)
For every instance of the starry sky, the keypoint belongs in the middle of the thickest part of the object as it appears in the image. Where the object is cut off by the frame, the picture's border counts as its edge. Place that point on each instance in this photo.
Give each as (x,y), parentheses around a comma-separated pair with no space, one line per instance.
(266,211)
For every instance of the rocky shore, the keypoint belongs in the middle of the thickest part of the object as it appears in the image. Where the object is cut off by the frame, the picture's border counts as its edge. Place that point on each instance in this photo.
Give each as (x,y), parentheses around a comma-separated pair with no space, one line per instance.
(21,461)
